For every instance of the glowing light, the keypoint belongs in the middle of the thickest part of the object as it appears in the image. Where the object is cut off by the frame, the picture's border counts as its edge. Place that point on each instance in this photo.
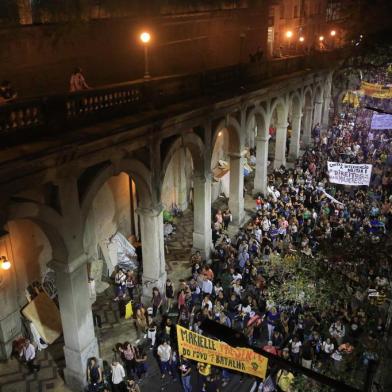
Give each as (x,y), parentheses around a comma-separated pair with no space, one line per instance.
(321,38)
(220,133)
(145,37)
(5,264)
(333,33)
(301,39)
(289,34)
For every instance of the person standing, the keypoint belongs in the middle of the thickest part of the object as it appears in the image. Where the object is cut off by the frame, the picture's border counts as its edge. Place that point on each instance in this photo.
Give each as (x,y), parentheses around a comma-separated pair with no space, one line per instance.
(7,93)
(118,374)
(185,369)
(157,301)
(120,282)
(169,294)
(164,354)
(94,375)
(28,354)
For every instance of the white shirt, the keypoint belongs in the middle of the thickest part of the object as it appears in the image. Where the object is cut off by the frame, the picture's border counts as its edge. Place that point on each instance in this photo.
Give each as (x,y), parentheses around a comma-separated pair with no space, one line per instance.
(118,373)
(28,352)
(295,346)
(164,352)
(207,286)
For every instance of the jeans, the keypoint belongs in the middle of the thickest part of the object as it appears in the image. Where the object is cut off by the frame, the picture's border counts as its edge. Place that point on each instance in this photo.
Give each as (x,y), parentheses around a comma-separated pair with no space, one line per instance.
(186,383)
(165,367)
(270,330)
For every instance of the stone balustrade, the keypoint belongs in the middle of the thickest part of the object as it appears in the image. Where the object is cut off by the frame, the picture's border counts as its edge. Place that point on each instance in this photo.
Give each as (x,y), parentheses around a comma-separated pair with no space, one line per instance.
(54,114)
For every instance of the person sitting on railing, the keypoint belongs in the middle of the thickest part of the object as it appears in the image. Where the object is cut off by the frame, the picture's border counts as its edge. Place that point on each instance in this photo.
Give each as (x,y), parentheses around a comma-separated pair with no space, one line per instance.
(7,93)
(77,81)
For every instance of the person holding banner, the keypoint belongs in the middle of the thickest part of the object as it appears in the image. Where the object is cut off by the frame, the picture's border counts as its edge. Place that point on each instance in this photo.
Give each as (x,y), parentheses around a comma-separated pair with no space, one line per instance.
(185,371)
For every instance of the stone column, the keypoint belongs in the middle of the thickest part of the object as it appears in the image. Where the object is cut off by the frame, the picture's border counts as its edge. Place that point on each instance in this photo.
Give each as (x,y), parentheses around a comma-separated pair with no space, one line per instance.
(280,147)
(326,108)
(25,12)
(153,249)
(202,234)
(307,126)
(295,137)
(80,342)
(236,197)
(318,107)
(10,319)
(260,182)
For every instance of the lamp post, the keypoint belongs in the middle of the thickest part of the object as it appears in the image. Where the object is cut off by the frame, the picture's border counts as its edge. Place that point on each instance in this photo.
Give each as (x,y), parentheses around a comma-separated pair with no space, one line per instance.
(5,264)
(321,42)
(301,43)
(333,35)
(289,34)
(145,38)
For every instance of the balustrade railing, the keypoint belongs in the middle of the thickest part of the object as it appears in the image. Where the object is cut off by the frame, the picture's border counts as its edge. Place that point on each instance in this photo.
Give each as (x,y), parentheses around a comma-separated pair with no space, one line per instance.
(25,120)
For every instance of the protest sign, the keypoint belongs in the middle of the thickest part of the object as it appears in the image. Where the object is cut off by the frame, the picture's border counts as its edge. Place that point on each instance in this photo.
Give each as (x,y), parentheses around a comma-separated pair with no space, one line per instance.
(349,174)
(199,348)
(381,121)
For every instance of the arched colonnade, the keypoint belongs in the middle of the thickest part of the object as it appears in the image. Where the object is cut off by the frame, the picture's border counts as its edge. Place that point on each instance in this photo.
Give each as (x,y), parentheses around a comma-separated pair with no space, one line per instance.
(64,222)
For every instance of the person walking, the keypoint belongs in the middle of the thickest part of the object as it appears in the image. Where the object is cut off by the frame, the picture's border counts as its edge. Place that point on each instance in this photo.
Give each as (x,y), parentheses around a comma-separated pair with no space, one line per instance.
(164,354)
(28,354)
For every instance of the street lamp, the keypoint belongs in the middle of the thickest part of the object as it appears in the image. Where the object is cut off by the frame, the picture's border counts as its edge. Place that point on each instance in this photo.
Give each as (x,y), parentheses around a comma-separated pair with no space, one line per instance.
(145,37)
(333,33)
(289,34)
(301,39)
(321,38)
(5,264)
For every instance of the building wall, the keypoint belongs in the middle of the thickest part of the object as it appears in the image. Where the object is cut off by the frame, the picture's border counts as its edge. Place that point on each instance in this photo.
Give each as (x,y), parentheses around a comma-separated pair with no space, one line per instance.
(29,251)
(39,59)
(110,212)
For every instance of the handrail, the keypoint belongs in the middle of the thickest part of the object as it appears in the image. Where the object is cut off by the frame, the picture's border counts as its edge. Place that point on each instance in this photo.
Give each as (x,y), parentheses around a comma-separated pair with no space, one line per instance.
(60,113)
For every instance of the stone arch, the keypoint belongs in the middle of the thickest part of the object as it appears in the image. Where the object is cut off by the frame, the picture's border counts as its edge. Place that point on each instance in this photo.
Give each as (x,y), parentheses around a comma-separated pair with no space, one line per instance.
(280,106)
(260,115)
(236,179)
(182,163)
(47,219)
(307,107)
(236,138)
(318,97)
(134,168)
(195,145)
(307,96)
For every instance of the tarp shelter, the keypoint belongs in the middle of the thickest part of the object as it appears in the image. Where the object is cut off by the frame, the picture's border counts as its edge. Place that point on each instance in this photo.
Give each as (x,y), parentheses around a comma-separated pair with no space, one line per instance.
(121,253)
(45,315)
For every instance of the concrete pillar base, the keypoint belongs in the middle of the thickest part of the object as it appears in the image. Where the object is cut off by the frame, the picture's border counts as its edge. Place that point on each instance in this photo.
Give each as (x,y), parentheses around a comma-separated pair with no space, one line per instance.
(75,372)
(202,243)
(149,283)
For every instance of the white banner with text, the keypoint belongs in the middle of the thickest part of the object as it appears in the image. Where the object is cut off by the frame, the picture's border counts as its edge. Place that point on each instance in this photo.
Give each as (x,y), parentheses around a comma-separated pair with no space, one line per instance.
(349,174)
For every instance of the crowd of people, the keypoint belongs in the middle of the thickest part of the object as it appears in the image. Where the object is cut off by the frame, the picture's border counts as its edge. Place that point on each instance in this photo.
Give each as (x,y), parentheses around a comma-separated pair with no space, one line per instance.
(303,218)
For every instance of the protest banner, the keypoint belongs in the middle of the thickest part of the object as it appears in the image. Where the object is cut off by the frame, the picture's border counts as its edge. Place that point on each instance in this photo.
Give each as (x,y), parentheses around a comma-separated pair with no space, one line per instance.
(381,121)
(199,348)
(349,174)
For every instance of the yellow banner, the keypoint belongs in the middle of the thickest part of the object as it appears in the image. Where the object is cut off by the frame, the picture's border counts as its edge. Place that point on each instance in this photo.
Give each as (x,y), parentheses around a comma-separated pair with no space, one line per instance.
(376,90)
(202,349)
